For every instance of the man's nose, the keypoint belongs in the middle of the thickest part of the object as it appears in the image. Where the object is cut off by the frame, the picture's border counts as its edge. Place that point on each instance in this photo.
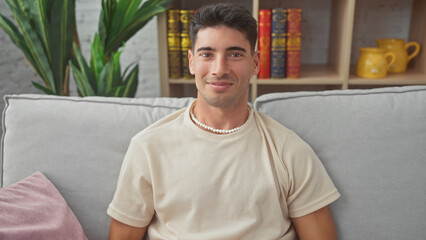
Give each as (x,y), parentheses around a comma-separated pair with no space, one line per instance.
(220,67)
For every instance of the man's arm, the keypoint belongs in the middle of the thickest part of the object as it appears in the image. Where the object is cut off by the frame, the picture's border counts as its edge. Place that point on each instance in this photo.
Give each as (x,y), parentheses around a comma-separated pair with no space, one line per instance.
(121,231)
(316,226)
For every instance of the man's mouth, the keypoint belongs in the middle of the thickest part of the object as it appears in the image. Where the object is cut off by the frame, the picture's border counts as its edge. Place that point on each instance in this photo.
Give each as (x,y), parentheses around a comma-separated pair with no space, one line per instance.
(220,85)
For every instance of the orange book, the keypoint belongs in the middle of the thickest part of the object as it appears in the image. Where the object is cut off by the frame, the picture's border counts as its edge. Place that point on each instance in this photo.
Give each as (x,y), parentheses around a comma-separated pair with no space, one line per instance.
(264,43)
(294,43)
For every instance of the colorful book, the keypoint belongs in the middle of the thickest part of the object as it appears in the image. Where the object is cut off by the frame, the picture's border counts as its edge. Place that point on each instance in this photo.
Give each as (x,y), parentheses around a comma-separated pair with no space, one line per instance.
(185,40)
(294,43)
(173,40)
(264,43)
(278,43)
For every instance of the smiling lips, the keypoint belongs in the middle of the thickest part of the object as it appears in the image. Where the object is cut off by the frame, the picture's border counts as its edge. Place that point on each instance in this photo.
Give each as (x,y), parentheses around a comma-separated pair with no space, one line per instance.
(220,85)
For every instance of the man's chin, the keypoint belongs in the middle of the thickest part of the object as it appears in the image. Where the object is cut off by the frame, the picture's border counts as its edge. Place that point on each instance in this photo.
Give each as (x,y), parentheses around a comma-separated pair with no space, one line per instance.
(220,101)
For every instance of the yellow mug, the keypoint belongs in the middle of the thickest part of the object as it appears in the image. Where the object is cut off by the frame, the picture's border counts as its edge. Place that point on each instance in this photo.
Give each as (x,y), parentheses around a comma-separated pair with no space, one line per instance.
(400,48)
(374,62)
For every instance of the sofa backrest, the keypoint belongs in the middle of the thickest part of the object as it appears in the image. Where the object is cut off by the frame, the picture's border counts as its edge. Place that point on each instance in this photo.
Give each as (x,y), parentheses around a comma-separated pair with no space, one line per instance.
(78,143)
(373,144)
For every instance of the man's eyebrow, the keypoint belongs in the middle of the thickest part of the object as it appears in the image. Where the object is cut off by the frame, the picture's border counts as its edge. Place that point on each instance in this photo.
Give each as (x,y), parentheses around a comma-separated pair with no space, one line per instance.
(204,49)
(237,49)
(234,48)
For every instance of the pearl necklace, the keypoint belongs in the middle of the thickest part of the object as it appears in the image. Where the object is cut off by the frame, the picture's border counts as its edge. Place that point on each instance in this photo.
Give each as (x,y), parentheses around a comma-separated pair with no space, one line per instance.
(215,130)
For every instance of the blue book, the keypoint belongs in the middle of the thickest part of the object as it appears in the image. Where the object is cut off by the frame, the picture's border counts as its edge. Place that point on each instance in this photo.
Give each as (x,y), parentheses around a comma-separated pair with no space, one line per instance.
(278,42)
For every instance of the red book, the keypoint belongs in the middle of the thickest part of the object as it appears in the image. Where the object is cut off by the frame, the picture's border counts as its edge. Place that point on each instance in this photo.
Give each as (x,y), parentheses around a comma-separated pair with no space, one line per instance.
(265,43)
(294,43)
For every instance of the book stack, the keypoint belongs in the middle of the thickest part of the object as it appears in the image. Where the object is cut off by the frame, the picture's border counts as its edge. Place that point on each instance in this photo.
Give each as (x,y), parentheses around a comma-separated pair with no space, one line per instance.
(279,43)
(179,42)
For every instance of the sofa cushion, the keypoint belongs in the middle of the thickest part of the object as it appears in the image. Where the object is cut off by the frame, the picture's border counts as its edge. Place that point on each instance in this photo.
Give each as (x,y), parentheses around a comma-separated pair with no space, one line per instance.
(372,143)
(79,143)
(34,209)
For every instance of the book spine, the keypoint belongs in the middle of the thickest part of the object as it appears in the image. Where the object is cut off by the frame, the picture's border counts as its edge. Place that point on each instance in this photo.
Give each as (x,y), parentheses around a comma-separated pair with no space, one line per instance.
(294,43)
(173,40)
(278,45)
(185,20)
(265,43)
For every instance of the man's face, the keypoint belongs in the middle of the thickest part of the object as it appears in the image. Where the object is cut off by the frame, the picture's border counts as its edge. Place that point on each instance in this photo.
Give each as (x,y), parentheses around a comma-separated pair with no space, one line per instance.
(222,64)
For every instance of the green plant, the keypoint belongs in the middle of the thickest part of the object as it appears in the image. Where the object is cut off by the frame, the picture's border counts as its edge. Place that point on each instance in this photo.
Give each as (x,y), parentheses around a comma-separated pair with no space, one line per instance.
(103,79)
(119,20)
(44,33)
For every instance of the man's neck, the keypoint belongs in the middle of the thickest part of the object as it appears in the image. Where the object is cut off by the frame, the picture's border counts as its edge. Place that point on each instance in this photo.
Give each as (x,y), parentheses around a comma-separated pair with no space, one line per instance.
(221,117)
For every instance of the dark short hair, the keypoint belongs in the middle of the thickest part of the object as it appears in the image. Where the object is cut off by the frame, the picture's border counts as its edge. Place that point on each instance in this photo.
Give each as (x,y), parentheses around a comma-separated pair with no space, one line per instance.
(225,14)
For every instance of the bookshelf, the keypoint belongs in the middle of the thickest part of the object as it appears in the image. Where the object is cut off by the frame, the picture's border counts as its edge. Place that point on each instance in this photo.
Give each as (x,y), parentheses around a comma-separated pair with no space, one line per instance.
(332,32)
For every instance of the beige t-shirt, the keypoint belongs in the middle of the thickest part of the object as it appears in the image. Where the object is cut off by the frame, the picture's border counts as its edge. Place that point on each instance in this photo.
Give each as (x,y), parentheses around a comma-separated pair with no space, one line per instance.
(187,183)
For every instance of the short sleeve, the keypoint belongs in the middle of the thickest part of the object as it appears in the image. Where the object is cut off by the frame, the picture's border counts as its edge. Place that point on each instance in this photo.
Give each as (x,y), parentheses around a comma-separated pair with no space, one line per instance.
(133,200)
(310,187)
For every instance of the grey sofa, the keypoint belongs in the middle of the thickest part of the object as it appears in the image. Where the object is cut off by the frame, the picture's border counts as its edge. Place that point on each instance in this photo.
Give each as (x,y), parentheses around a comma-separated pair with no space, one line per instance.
(372,142)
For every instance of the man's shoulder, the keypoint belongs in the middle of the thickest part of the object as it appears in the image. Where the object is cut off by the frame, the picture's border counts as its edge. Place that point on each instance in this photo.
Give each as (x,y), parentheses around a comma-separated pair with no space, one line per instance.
(283,137)
(272,125)
(163,126)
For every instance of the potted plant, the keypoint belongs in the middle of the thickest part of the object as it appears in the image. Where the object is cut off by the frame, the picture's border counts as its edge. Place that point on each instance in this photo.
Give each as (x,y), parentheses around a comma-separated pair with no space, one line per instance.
(47,35)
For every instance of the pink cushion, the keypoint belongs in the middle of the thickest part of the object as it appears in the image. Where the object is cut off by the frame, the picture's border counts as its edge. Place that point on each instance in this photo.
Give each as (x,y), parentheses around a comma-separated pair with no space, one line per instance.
(34,209)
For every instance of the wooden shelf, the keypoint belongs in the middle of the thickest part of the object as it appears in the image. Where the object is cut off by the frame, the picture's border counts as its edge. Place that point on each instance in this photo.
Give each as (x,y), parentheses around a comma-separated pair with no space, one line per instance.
(310,75)
(411,77)
(333,30)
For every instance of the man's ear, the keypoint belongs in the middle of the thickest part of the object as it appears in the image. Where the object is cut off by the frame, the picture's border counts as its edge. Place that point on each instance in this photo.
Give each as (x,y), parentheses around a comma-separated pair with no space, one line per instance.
(190,60)
(256,62)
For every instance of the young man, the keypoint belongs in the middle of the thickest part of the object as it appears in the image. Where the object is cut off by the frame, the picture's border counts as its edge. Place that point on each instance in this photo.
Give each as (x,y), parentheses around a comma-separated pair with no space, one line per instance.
(218,169)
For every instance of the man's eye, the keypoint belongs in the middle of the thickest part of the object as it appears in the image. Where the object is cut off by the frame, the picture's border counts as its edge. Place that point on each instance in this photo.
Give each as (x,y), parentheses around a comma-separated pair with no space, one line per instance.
(236,54)
(205,55)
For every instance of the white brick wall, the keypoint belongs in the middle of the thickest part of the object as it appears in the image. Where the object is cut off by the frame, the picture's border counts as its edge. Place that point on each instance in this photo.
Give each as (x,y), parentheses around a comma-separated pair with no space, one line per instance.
(16,75)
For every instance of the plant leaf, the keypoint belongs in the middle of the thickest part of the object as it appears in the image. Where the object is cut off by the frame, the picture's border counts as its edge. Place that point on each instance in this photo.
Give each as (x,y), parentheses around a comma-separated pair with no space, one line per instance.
(164,3)
(147,13)
(130,12)
(104,26)
(151,3)
(38,14)
(118,16)
(117,92)
(97,57)
(45,90)
(103,80)
(114,76)
(35,46)
(142,17)
(16,37)
(84,68)
(131,82)
(61,36)
(82,82)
